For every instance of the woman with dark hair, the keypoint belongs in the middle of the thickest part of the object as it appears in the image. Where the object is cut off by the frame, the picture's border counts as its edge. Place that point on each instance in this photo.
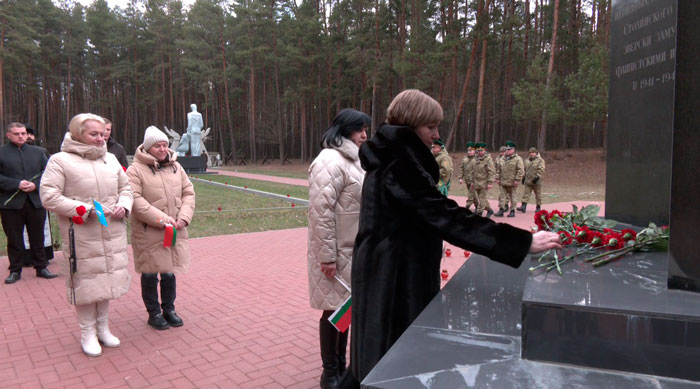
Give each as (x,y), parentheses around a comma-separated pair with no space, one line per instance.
(335,186)
(404,220)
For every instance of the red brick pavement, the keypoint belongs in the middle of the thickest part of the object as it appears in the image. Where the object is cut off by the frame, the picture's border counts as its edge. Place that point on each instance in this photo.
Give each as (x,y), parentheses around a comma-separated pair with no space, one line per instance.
(246,313)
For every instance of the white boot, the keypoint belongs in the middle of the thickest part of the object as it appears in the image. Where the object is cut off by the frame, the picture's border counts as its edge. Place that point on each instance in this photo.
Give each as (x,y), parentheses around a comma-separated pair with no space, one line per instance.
(103,333)
(87,314)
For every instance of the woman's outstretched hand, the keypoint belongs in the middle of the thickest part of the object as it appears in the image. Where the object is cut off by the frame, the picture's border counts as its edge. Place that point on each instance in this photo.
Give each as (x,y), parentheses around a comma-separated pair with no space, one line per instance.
(543,241)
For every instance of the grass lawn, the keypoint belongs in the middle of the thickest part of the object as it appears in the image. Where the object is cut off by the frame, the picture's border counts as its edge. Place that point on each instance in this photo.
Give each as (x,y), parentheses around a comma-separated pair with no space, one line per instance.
(300,192)
(240,212)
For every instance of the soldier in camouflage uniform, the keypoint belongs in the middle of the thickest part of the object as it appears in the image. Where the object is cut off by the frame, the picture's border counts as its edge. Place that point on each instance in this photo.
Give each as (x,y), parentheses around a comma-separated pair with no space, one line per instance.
(445,162)
(498,163)
(534,170)
(512,171)
(483,176)
(466,172)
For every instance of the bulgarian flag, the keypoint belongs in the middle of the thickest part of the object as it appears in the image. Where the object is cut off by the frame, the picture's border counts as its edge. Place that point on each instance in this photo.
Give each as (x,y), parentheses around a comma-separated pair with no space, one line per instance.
(342,316)
(170,235)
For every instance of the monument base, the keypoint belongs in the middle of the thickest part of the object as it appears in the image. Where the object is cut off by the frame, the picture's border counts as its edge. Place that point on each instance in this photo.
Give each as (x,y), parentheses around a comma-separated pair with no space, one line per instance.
(470,334)
(193,164)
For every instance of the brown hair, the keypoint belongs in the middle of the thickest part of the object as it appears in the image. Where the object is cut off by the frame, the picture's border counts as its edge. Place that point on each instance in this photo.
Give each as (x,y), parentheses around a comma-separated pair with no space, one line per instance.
(413,108)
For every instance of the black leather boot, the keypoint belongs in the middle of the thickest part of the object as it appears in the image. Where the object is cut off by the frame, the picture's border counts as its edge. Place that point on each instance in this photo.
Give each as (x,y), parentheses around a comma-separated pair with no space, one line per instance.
(149,294)
(500,212)
(167,296)
(506,208)
(342,350)
(537,208)
(489,212)
(328,337)
(522,207)
(512,213)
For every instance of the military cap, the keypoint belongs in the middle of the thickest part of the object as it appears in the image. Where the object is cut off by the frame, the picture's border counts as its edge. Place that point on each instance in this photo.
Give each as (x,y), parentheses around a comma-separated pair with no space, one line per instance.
(510,144)
(503,148)
(439,142)
(471,145)
(481,145)
(533,150)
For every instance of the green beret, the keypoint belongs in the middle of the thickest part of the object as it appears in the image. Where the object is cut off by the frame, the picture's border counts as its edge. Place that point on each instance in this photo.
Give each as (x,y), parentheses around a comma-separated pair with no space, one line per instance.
(439,142)
(481,145)
(510,144)
(470,145)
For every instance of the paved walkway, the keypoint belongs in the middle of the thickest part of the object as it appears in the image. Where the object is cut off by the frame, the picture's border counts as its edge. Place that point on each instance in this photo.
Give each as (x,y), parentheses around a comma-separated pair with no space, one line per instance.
(261,177)
(246,313)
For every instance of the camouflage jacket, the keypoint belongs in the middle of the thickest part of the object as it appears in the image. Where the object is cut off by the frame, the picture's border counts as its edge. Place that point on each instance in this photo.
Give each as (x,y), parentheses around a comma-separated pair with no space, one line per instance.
(512,170)
(534,168)
(484,172)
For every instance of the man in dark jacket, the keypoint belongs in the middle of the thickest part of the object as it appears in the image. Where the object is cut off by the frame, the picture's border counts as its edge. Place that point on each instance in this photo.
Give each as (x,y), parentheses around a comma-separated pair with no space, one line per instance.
(48,244)
(403,222)
(21,166)
(113,146)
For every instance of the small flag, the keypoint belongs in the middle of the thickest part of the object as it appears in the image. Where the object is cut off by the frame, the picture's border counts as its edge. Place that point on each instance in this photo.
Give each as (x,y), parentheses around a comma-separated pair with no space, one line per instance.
(342,316)
(170,236)
(100,213)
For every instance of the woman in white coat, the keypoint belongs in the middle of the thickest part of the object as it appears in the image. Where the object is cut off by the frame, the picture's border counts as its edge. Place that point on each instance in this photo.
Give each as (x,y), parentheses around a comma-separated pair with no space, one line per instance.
(335,189)
(82,172)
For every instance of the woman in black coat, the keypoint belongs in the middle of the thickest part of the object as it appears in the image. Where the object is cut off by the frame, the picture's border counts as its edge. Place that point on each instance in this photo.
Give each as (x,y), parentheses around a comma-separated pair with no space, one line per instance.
(403,222)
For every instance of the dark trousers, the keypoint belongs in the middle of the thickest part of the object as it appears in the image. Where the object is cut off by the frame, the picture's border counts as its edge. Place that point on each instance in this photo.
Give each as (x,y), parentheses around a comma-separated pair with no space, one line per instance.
(13,222)
(149,292)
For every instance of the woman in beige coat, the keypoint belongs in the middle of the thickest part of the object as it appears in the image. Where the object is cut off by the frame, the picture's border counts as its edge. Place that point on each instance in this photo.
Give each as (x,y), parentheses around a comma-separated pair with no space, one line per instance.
(163,197)
(335,188)
(82,172)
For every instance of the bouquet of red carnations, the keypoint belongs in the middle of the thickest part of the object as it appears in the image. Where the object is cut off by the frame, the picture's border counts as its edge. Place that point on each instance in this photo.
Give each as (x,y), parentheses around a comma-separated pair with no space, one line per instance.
(593,238)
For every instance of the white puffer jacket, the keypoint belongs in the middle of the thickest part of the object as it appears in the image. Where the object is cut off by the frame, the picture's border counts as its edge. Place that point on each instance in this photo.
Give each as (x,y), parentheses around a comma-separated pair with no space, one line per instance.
(335,190)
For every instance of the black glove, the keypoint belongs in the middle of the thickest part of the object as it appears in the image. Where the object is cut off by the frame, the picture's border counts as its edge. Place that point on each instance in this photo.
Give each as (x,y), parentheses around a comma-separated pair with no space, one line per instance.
(535,180)
(523,180)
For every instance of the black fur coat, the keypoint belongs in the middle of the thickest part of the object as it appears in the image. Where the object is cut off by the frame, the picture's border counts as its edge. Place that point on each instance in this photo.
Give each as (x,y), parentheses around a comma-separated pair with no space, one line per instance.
(397,253)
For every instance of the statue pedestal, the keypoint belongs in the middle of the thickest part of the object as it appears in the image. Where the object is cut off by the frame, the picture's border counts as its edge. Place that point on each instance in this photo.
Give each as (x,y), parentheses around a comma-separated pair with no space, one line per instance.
(193,164)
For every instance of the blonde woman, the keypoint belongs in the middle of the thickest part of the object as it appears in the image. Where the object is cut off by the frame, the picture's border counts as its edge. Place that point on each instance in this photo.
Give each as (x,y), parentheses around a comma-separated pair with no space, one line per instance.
(82,172)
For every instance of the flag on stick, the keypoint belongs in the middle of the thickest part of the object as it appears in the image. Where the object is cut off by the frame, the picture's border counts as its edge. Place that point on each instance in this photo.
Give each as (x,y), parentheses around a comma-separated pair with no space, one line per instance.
(100,213)
(170,235)
(342,316)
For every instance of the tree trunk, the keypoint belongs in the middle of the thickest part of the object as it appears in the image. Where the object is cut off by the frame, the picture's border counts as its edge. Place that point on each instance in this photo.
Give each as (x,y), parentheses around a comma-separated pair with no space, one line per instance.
(480,97)
(229,120)
(542,136)
(462,96)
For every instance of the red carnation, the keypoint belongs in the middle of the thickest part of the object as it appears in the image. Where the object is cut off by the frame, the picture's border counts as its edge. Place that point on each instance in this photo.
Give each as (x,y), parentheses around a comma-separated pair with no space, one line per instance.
(541,220)
(81,210)
(124,167)
(613,241)
(583,234)
(565,237)
(596,239)
(77,220)
(628,234)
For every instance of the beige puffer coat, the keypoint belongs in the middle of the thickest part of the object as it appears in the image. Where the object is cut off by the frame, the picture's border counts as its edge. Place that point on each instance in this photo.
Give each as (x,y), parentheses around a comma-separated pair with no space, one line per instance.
(159,191)
(73,177)
(335,190)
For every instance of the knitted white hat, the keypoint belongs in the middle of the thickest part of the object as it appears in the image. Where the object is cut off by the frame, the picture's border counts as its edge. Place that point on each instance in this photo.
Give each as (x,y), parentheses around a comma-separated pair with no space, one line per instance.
(152,136)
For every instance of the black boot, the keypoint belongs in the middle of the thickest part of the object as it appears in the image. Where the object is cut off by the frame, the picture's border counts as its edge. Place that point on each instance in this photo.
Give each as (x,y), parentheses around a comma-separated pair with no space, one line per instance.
(167,296)
(489,212)
(500,212)
(328,337)
(522,207)
(149,294)
(512,213)
(342,350)
(537,208)
(506,208)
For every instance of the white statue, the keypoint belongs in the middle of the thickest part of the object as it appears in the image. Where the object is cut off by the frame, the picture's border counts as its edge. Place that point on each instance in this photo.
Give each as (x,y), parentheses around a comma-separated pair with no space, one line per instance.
(194,130)
(176,138)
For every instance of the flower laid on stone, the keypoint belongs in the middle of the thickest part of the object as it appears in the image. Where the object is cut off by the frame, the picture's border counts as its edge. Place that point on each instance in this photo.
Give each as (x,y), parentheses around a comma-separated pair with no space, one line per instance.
(594,238)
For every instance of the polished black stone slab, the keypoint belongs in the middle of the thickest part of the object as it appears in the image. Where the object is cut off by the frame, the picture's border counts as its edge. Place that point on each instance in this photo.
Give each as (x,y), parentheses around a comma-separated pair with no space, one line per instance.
(684,264)
(640,110)
(620,316)
(469,336)
(193,164)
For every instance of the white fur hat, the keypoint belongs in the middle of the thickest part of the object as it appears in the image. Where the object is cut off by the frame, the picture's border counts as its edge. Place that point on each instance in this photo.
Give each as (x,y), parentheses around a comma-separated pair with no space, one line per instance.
(152,136)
